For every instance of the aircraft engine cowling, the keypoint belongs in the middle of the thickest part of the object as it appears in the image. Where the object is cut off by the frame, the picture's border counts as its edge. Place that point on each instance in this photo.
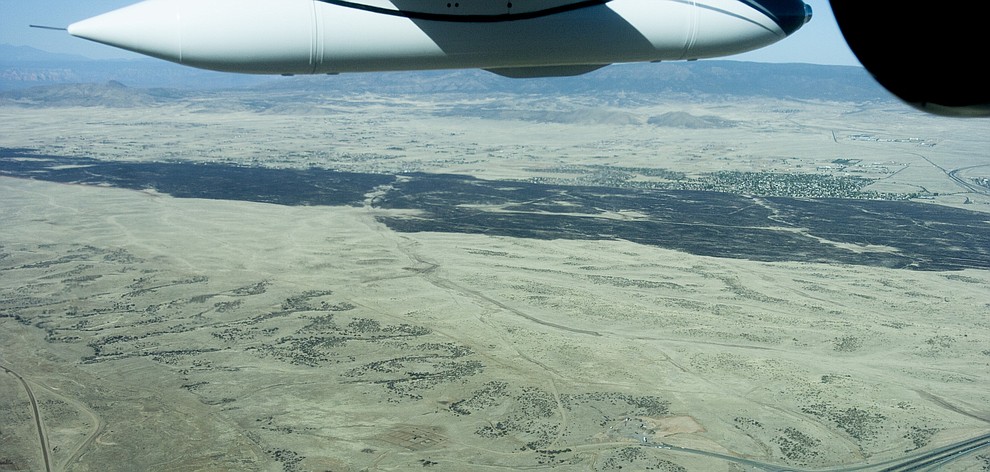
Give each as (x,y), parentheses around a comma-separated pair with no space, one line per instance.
(516,39)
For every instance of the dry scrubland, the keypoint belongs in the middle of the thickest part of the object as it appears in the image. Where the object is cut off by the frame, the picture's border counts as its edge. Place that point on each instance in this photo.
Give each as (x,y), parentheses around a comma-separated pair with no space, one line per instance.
(158,333)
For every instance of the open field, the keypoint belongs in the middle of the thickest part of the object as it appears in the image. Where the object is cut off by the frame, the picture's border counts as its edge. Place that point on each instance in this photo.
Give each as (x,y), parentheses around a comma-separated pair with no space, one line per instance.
(405,325)
(618,140)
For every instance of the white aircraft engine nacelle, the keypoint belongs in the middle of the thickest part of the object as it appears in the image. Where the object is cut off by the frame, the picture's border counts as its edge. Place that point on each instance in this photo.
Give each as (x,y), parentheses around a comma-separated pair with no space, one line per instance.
(531,37)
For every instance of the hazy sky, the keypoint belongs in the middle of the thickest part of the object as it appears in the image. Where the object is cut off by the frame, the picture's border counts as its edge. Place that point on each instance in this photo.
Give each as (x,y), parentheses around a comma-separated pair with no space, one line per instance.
(818,42)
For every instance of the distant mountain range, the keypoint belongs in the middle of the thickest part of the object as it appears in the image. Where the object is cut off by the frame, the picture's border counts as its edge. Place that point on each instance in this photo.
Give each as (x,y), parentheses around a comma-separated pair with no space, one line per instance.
(22,69)
(16,54)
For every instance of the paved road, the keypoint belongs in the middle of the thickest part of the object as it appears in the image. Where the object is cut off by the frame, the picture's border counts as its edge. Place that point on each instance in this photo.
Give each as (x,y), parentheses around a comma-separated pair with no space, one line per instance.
(37,417)
(930,460)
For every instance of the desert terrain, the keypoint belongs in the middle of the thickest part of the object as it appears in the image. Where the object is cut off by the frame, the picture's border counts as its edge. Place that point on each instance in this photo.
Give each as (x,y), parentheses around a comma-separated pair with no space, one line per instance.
(451,282)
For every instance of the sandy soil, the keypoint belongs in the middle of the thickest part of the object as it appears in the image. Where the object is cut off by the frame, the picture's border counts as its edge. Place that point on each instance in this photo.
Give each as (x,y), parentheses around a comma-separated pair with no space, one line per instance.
(159,333)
